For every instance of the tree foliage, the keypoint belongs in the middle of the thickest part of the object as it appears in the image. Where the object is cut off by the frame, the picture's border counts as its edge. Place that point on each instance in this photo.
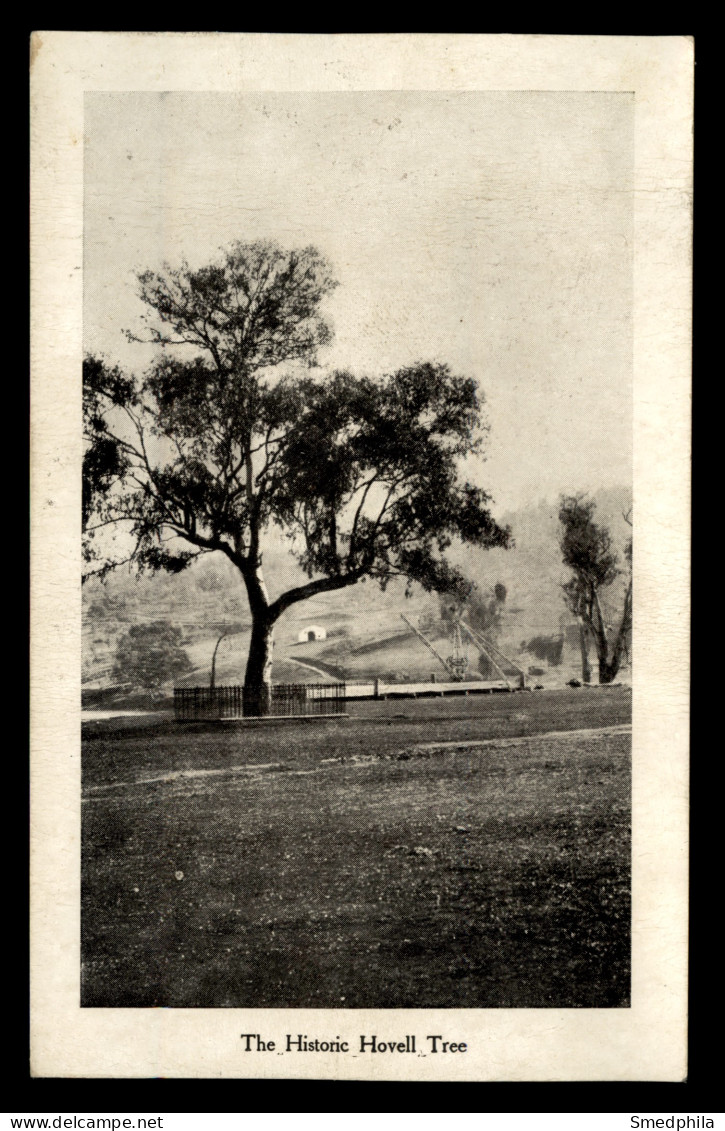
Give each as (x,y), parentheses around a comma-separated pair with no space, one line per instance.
(149,655)
(224,435)
(104,460)
(481,608)
(588,552)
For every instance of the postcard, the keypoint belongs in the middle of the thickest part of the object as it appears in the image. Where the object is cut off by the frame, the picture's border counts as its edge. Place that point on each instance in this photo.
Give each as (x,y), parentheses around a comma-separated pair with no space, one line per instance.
(360,555)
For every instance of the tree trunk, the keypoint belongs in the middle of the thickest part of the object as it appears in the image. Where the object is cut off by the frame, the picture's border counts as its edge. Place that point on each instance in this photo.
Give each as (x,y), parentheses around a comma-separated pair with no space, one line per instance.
(257,694)
(584,649)
(257,691)
(607,668)
(619,647)
(258,676)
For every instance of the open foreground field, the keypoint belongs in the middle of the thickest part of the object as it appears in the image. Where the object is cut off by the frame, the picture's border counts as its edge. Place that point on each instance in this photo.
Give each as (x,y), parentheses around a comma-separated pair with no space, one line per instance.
(429,853)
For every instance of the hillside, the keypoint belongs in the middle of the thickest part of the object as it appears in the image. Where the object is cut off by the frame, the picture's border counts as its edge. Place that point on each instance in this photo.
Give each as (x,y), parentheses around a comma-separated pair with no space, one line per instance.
(365,635)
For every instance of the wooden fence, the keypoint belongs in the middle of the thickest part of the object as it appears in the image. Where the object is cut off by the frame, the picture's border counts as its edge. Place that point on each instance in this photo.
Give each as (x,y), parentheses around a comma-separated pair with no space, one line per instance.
(192,704)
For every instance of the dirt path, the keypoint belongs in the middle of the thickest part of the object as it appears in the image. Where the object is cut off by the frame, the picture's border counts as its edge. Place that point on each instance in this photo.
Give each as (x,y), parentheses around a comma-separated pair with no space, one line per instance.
(620,728)
(319,670)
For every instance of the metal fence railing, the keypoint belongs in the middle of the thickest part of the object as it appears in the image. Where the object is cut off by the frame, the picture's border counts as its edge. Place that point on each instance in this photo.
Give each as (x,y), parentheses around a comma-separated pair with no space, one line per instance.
(192,704)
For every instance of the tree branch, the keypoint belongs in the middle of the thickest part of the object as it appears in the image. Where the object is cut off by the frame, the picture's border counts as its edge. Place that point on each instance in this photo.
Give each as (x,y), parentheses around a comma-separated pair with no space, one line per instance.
(311,589)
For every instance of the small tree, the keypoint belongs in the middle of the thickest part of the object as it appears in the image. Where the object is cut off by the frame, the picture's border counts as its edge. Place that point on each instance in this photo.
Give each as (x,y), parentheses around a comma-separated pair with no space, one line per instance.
(482,609)
(215,443)
(149,655)
(587,551)
(230,629)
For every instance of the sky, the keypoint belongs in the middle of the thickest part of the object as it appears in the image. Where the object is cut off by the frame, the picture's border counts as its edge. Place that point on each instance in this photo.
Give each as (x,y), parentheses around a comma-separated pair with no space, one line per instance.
(488,230)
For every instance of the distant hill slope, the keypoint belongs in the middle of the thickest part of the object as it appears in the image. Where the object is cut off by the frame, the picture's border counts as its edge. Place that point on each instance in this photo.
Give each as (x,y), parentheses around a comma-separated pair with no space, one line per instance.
(365,633)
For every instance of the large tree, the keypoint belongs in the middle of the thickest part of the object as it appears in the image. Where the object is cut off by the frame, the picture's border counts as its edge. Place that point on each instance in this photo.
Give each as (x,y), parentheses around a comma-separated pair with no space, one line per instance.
(587,550)
(226,433)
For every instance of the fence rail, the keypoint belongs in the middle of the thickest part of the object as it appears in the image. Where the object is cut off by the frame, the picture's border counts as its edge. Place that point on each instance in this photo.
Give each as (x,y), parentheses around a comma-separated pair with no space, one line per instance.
(377,689)
(192,704)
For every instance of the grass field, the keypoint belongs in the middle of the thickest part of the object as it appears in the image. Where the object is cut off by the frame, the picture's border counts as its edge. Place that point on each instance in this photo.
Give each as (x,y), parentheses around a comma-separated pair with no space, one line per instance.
(360,864)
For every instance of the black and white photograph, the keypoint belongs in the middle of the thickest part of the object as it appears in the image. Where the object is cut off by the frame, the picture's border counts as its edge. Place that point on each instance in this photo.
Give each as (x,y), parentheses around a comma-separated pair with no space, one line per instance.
(356,537)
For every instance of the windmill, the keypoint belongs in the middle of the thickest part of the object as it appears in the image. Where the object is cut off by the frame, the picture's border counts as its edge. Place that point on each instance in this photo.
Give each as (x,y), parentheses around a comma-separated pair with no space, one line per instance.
(455,664)
(458,661)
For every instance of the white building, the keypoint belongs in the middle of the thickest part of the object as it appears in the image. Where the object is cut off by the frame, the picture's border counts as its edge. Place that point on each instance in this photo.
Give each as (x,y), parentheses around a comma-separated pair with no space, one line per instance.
(312,632)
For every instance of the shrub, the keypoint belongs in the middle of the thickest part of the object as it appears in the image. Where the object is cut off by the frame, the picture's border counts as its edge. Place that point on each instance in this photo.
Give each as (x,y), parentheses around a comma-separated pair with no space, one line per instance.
(547,648)
(149,655)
